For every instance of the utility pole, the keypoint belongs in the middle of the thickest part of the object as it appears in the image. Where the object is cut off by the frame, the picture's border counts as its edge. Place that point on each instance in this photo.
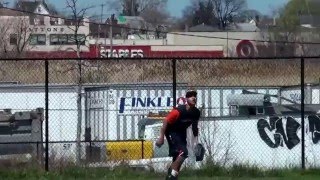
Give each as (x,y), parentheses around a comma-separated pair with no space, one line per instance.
(132,8)
(110,35)
(101,17)
(101,12)
(99,27)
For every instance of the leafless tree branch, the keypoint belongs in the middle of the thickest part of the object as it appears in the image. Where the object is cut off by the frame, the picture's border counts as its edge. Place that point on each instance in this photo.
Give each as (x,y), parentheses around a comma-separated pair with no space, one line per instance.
(78,15)
(19,28)
(225,10)
(143,5)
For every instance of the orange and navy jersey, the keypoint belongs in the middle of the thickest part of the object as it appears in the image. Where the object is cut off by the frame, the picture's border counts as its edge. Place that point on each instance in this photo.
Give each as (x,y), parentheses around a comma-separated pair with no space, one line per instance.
(179,119)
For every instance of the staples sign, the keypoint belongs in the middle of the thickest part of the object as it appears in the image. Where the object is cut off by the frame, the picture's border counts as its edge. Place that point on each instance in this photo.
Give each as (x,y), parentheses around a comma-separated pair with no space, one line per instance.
(122,52)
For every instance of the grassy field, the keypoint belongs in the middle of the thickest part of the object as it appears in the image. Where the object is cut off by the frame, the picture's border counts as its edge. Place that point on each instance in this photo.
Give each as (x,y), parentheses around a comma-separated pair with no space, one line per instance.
(237,172)
(210,72)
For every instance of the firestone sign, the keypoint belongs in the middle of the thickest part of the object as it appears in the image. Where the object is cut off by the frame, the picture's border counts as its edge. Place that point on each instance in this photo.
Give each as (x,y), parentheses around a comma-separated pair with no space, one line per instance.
(46,29)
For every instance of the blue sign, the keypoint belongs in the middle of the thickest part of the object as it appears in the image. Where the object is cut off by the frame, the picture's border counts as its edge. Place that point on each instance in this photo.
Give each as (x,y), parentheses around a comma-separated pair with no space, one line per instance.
(144,102)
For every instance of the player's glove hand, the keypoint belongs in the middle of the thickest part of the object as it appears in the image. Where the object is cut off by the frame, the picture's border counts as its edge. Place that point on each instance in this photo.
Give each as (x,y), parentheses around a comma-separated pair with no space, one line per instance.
(199,152)
(159,142)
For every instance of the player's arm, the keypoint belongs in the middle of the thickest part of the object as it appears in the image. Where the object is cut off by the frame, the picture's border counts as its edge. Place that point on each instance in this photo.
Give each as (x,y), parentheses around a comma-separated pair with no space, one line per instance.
(195,131)
(195,128)
(171,118)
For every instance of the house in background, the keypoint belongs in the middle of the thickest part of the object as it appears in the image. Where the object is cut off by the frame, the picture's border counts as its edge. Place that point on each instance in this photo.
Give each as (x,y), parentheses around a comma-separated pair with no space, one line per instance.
(136,27)
(234,27)
(202,28)
(310,21)
(123,27)
(250,26)
(39,8)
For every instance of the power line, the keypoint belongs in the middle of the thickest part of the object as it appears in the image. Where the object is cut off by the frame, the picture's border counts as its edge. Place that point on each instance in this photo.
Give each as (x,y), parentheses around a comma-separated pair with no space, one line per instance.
(173,33)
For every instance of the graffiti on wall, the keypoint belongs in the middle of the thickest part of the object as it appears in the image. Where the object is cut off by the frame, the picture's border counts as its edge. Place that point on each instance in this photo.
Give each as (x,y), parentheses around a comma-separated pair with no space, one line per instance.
(274,133)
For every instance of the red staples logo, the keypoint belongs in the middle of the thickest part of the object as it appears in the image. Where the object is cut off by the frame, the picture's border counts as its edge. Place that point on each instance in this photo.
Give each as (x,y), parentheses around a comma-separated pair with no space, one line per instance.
(121,53)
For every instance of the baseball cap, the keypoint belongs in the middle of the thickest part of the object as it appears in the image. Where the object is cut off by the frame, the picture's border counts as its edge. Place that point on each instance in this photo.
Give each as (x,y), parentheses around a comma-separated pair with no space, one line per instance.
(191,93)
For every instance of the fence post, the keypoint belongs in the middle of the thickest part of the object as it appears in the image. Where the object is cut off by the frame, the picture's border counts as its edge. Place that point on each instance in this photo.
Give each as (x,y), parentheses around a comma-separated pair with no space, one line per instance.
(302,117)
(174,81)
(142,149)
(47,114)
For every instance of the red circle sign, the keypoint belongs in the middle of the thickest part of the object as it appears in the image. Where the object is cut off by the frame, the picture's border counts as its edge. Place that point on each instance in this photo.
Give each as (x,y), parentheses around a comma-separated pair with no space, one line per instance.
(181,101)
(245,49)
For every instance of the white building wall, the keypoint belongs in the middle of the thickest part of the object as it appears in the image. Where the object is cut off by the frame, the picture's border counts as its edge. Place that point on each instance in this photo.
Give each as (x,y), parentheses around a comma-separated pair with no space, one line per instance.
(125,42)
(13,22)
(227,40)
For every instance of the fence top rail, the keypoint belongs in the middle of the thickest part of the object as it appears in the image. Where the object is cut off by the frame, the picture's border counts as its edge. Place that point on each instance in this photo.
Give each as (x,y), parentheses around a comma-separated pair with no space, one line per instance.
(95,86)
(164,58)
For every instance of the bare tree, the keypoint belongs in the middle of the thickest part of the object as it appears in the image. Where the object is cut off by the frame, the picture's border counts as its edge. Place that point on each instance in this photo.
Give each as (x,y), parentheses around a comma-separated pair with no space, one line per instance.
(4,31)
(75,24)
(226,10)
(288,37)
(219,145)
(212,12)
(156,15)
(77,20)
(293,25)
(135,7)
(15,36)
(249,14)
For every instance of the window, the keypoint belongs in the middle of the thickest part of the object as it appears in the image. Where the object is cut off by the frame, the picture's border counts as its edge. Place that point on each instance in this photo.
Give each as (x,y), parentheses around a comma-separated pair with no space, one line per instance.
(42,39)
(13,39)
(74,22)
(60,21)
(53,21)
(81,39)
(37,39)
(66,39)
(54,39)
(56,21)
(71,39)
(63,39)
(38,20)
(33,39)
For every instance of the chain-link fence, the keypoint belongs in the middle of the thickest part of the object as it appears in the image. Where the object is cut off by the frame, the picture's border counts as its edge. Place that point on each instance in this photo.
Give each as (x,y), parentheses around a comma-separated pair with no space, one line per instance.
(108,112)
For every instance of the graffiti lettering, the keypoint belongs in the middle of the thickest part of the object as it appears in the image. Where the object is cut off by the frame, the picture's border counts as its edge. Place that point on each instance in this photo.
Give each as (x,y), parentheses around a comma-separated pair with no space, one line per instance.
(288,136)
(314,128)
